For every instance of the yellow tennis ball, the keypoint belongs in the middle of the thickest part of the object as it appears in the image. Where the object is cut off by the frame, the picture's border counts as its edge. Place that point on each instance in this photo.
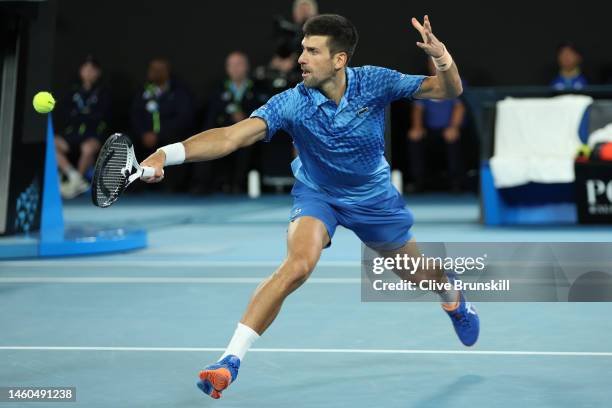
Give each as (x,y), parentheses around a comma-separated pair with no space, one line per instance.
(43,102)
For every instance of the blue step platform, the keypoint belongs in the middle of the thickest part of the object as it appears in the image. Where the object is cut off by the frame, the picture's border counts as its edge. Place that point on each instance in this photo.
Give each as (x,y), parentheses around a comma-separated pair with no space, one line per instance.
(54,239)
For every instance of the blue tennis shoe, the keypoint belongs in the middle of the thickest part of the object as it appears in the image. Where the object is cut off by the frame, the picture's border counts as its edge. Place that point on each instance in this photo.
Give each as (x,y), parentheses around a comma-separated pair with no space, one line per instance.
(217,377)
(465,320)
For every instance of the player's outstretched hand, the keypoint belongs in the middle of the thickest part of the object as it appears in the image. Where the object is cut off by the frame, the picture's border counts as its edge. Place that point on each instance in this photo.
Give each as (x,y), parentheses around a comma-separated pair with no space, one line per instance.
(431,45)
(157,161)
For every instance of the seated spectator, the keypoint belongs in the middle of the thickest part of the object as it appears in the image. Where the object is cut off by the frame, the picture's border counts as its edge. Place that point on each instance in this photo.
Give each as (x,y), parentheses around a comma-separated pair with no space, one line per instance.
(82,120)
(234,101)
(162,113)
(436,119)
(570,76)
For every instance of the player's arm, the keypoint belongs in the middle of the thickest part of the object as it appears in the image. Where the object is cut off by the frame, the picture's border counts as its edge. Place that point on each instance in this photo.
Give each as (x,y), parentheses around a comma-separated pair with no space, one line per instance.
(447,82)
(208,145)
(215,143)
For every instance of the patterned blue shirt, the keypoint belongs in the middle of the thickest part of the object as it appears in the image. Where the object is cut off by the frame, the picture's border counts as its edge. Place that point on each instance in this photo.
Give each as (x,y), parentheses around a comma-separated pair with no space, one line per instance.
(575,82)
(341,147)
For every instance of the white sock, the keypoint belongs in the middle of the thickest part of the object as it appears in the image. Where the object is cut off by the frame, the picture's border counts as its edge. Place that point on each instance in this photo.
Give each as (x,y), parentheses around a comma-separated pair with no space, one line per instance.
(241,341)
(449,297)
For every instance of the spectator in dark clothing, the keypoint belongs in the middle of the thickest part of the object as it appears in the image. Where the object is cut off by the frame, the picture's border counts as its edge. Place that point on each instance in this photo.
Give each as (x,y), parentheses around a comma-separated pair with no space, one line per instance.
(570,76)
(162,113)
(82,121)
(235,98)
(234,101)
(290,32)
(436,119)
(281,73)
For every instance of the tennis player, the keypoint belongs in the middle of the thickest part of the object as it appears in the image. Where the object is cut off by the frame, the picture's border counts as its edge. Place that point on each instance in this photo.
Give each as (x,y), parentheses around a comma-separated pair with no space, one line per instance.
(336,119)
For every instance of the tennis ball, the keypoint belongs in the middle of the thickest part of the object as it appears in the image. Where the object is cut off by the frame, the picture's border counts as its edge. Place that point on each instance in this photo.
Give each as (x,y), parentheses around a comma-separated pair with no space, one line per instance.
(43,102)
(584,151)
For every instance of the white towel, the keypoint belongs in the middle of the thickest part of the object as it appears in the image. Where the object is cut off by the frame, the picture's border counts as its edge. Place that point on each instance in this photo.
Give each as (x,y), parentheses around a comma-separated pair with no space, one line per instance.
(536,139)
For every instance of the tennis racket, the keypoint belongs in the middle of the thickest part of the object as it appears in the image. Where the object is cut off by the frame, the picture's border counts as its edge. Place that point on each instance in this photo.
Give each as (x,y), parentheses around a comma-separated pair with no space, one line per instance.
(116,168)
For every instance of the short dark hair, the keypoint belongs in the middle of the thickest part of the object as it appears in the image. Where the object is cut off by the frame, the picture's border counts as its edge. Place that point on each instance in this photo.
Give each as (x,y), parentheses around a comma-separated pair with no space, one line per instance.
(90,59)
(571,45)
(342,33)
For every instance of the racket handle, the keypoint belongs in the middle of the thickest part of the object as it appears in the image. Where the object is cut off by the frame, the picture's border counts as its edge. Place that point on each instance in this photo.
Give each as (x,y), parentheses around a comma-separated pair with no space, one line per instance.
(148,172)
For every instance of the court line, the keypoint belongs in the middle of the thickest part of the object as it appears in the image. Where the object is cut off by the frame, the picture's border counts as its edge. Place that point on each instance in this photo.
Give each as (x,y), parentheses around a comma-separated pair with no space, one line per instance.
(192,279)
(153,279)
(166,263)
(317,350)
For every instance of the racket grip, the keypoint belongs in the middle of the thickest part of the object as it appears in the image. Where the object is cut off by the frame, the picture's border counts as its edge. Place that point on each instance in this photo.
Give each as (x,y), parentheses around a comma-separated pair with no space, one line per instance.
(148,172)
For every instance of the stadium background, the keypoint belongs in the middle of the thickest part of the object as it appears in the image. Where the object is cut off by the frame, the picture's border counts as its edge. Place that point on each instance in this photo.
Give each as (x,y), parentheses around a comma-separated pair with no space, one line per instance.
(132,329)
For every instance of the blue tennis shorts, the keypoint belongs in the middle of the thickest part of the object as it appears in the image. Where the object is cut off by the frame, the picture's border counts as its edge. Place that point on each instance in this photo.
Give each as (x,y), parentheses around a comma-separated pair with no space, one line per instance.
(379,224)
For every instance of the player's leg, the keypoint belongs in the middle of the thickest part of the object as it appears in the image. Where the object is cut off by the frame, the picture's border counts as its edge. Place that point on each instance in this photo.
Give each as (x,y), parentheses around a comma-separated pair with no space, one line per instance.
(462,314)
(429,271)
(306,238)
(385,228)
(89,149)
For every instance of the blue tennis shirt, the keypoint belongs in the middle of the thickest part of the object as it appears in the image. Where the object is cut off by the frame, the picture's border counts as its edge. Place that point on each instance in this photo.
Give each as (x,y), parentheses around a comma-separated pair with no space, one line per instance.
(341,147)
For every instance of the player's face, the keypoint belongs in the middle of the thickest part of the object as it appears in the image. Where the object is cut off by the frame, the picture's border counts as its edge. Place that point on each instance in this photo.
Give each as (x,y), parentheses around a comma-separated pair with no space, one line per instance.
(316,61)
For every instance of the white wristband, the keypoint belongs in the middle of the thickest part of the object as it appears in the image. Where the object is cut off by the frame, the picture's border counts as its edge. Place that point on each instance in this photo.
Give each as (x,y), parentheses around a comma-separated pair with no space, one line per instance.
(443,62)
(175,154)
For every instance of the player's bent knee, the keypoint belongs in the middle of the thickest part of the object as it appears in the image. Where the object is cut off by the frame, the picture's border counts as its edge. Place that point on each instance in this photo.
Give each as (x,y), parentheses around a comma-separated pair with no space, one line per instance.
(303,265)
(295,271)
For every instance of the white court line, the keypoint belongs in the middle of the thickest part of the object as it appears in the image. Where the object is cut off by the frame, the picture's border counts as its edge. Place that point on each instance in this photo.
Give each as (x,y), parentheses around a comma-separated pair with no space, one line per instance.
(319,350)
(165,264)
(154,279)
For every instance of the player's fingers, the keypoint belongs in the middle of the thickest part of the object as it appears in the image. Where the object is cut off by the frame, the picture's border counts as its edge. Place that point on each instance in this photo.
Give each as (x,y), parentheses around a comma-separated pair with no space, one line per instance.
(422,45)
(147,166)
(433,37)
(152,180)
(156,178)
(430,37)
(427,23)
(159,175)
(416,24)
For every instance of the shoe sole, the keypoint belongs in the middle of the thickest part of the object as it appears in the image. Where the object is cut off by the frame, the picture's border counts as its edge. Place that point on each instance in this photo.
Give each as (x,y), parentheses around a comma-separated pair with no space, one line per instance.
(220,378)
(208,389)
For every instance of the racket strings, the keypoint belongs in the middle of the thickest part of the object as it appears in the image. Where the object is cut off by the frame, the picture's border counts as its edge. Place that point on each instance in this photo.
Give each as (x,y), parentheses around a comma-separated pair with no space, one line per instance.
(113,177)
